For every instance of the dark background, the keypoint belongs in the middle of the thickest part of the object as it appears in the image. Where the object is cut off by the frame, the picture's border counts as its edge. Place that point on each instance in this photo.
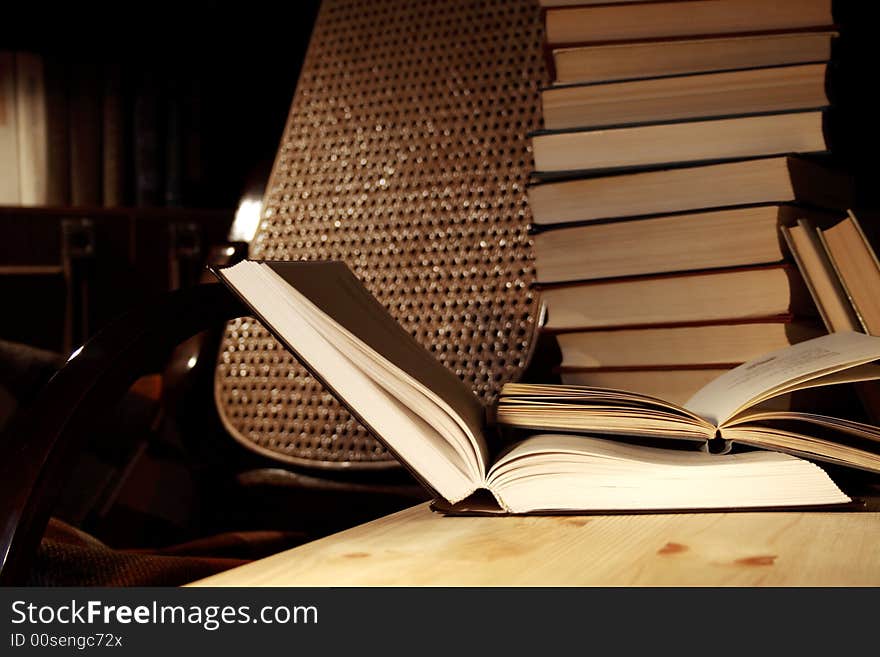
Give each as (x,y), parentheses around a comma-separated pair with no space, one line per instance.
(231,67)
(239,61)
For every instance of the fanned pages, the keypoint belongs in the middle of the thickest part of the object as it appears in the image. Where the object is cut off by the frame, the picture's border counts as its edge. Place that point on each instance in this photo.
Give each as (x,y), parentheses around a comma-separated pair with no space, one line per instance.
(727,407)
(437,427)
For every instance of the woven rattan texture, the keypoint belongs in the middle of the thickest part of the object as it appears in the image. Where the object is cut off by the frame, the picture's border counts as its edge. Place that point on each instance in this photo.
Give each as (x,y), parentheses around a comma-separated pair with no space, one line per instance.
(405,155)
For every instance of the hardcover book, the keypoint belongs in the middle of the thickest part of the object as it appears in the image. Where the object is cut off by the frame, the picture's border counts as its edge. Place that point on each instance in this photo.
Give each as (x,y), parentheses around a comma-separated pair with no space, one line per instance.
(702,297)
(678,189)
(819,275)
(10,193)
(671,243)
(652,144)
(729,93)
(857,269)
(711,344)
(664,57)
(575,25)
(436,426)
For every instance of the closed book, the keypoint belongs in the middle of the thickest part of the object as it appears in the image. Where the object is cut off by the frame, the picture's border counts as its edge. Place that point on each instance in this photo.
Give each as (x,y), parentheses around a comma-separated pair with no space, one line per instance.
(675,57)
(147,145)
(761,180)
(857,269)
(697,140)
(586,24)
(10,192)
(754,91)
(57,92)
(672,243)
(33,129)
(86,130)
(819,275)
(717,344)
(174,150)
(114,156)
(675,299)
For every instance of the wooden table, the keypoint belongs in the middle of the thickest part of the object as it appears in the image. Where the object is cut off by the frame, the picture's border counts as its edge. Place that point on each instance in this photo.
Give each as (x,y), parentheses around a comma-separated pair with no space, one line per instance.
(418,547)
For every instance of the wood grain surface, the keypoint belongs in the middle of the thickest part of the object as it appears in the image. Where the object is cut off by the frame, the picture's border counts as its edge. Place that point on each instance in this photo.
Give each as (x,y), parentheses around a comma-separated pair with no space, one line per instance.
(416,547)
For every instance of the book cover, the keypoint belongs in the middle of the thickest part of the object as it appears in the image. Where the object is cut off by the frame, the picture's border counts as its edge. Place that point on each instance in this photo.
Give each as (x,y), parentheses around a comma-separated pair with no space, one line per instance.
(10,191)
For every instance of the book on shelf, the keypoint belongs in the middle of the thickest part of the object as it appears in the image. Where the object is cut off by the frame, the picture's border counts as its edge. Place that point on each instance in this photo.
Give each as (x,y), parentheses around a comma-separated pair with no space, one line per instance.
(691,140)
(10,192)
(113,143)
(147,146)
(86,127)
(819,275)
(704,345)
(856,267)
(700,297)
(730,237)
(57,92)
(33,129)
(703,95)
(436,426)
(174,149)
(677,189)
(673,384)
(33,95)
(664,57)
(624,22)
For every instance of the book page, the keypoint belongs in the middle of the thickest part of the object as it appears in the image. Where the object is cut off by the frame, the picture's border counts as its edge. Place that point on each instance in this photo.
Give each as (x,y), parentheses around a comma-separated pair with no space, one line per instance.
(412,438)
(768,375)
(399,384)
(554,472)
(337,293)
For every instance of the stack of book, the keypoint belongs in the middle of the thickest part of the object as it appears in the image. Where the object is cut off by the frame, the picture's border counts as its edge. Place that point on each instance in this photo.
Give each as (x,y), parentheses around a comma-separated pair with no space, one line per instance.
(841,270)
(678,136)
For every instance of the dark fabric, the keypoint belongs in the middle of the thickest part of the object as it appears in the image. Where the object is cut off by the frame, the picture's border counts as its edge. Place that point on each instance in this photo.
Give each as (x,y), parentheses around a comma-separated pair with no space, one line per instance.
(23,371)
(132,486)
(70,557)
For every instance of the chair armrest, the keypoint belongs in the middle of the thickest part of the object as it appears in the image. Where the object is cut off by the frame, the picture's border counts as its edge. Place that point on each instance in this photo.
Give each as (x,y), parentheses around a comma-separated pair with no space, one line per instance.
(39,445)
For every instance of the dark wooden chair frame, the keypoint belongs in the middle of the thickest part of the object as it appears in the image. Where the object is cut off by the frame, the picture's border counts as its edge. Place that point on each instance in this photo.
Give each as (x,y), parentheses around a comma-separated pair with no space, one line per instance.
(50,432)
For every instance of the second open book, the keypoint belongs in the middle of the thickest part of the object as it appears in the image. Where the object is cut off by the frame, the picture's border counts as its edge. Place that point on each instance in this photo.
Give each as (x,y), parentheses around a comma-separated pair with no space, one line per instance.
(598,460)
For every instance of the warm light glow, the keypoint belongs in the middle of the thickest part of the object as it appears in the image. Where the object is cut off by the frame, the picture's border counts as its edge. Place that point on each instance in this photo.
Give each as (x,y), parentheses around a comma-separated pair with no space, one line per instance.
(230,250)
(191,363)
(75,353)
(247,220)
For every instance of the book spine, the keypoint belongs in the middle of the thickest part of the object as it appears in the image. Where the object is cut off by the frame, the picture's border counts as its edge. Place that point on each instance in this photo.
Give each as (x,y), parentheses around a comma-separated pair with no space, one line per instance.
(113,151)
(852,304)
(33,145)
(10,193)
(85,135)
(146,145)
(173,188)
(58,107)
(789,241)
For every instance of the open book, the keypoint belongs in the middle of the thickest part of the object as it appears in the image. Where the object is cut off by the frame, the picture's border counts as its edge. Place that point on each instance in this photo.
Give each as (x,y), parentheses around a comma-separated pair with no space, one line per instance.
(434,424)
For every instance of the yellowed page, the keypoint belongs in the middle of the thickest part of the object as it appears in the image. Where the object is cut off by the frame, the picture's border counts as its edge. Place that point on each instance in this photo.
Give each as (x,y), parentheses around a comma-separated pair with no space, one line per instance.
(780,370)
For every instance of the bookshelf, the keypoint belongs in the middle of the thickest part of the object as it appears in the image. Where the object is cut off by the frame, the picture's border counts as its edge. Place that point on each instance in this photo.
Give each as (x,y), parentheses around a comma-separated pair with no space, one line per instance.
(64,272)
(163,127)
